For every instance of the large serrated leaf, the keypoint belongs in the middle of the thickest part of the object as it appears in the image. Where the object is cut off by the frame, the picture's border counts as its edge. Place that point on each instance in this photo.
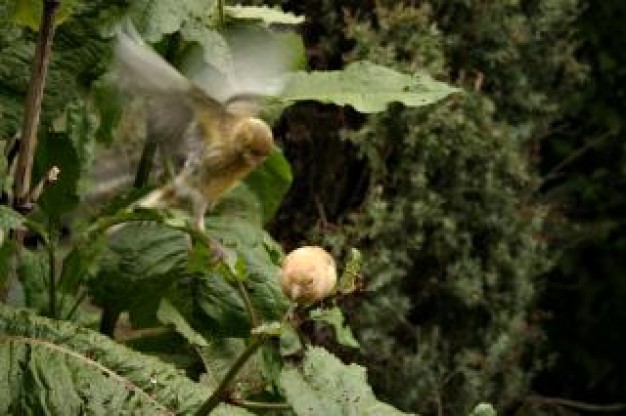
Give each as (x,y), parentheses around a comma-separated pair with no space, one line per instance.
(169,315)
(265,14)
(211,301)
(367,87)
(239,226)
(155,18)
(49,367)
(140,265)
(33,271)
(323,385)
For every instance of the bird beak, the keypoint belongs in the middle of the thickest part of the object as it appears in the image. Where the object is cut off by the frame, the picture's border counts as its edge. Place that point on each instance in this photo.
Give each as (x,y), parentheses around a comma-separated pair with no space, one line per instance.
(254,160)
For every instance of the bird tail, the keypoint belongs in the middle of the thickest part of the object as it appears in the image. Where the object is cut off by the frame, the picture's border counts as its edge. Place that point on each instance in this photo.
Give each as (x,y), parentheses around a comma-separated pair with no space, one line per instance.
(141,70)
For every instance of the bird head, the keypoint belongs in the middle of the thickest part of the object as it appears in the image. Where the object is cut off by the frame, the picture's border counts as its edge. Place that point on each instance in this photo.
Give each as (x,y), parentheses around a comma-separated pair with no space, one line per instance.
(256,139)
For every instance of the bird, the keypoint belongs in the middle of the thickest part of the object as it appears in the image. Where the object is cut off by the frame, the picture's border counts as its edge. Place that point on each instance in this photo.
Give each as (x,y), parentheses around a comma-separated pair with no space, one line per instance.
(217,140)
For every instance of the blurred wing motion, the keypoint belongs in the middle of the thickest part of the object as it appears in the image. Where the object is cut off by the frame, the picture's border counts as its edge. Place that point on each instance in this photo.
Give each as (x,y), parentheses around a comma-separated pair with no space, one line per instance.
(219,144)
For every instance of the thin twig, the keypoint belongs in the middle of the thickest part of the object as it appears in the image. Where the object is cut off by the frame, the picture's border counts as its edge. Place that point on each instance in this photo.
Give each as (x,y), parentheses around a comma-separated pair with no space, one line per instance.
(575,155)
(32,110)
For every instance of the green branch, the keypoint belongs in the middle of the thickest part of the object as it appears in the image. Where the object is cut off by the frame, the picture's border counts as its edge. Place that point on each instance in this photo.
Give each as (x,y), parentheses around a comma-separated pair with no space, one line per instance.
(219,395)
(254,405)
(243,292)
(51,248)
(221,14)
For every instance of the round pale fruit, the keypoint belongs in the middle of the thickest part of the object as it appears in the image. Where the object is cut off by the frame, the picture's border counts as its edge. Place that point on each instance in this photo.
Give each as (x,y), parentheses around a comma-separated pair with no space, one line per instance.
(308,274)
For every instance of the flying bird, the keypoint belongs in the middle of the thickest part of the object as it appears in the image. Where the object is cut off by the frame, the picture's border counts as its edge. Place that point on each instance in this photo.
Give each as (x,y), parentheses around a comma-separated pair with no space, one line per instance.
(210,128)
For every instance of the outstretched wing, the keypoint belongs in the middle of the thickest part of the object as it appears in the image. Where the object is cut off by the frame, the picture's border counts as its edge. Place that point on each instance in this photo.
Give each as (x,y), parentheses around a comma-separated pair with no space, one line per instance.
(258,63)
(173,103)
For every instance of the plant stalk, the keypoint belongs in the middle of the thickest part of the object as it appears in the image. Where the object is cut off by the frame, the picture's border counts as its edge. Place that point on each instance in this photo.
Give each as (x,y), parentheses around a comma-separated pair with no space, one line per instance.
(75,306)
(108,321)
(254,321)
(221,14)
(254,405)
(145,164)
(32,110)
(52,294)
(219,394)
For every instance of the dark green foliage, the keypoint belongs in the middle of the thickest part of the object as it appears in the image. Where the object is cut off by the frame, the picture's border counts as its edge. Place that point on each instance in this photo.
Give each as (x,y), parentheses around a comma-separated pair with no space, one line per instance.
(453,234)
(451,255)
(584,167)
(80,54)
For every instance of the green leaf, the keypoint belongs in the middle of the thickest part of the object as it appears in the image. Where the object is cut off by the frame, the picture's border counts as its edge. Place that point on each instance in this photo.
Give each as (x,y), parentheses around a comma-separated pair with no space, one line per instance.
(215,50)
(211,305)
(10,219)
(169,315)
(265,14)
(80,56)
(367,87)
(290,343)
(140,265)
(270,182)
(50,367)
(33,272)
(7,252)
(80,264)
(5,178)
(352,271)
(218,357)
(239,227)
(323,385)
(28,12)
(484,409)
(211,301)
(155,18)
(108,103)
(335,318)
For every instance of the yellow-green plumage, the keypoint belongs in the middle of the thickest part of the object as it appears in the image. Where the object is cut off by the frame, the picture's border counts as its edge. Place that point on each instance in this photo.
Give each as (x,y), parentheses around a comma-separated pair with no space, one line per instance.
(225,145)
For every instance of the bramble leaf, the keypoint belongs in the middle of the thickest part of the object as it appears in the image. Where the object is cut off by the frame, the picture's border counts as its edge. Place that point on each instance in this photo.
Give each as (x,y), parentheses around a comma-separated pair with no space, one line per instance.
(10,219)
(55,367)
(334,317)
(367,87)
(323,385)
(155,18)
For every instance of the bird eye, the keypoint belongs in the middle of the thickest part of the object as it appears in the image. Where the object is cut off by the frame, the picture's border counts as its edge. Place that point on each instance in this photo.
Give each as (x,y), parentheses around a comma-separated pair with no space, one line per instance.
(257,152)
